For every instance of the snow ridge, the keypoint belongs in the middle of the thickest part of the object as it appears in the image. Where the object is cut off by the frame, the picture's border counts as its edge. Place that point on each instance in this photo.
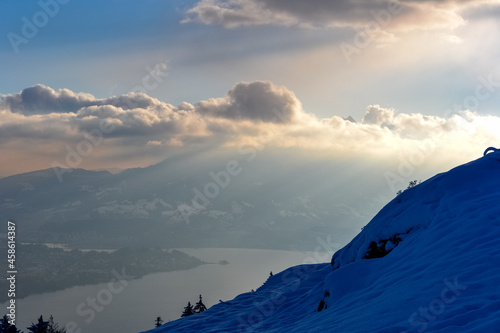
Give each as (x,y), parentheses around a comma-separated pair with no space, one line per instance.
(427,262)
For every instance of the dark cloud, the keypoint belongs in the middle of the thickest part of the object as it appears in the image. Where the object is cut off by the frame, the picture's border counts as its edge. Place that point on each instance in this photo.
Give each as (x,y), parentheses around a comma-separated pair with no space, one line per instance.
(491,11)
(41,99)
(258,101)
(41,112)
(325,12)
(402,14)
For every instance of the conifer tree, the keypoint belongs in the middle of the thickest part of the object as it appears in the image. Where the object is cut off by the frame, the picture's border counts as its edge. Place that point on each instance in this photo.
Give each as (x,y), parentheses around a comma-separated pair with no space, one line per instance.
(199,307)
(6,327)
(188,310)
(4,324)
(54,327)
(13,329)
(158,321)
(40,327)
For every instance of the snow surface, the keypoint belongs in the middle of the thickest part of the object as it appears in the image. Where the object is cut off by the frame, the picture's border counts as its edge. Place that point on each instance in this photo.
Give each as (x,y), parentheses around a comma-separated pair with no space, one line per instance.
(441,271)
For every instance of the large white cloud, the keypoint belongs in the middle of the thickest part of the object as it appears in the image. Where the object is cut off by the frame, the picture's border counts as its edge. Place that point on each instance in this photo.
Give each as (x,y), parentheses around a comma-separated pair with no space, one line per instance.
(136,126)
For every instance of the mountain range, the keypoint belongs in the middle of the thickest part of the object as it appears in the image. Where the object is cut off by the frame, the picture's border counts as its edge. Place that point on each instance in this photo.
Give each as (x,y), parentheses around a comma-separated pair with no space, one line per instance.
(253,199)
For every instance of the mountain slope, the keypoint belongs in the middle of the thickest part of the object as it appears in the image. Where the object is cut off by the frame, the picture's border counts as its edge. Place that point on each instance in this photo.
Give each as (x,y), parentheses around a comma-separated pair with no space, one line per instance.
(277,200)
(427,262)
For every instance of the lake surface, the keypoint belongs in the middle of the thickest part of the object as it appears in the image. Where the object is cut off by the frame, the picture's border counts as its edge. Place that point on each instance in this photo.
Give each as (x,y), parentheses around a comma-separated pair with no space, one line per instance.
(132,306)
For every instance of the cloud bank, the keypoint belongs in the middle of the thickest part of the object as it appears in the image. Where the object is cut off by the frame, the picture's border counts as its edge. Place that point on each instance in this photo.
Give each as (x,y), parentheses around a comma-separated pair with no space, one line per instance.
(403,15)
(41,124)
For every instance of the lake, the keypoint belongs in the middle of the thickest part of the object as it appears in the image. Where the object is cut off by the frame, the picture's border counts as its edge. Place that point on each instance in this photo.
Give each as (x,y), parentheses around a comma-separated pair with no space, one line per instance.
(133,305)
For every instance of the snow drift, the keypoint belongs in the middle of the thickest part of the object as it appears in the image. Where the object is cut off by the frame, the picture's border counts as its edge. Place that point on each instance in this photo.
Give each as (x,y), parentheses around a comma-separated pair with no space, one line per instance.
(427,262)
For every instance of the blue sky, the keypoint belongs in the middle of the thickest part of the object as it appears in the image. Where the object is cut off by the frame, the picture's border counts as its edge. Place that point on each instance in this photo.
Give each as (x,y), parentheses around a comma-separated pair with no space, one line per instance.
(422,59)
(102,47)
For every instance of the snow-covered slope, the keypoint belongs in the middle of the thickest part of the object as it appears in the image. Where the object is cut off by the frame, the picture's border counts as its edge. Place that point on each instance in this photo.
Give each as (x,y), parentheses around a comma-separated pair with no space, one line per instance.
(429,261)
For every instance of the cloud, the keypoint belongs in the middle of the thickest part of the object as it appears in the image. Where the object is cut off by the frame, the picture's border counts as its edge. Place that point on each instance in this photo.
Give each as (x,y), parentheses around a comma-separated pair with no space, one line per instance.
(41,99)
(378,116)
(402,15)
(66,118)
(257,101)
(135,127)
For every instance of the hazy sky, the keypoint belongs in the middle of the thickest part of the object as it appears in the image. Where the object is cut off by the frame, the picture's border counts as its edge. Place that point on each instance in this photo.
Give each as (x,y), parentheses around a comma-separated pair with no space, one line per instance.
(412,73)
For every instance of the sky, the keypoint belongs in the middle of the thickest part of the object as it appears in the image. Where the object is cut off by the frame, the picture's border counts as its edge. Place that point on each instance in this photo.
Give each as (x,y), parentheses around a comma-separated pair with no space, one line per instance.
(117,84)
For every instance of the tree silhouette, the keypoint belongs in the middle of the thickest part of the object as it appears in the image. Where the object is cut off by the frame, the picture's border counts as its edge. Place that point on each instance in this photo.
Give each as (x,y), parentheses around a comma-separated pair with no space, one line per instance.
(188,310)
(4,324)
(411,184)
(6,327)
(13,329)
(40,327)
(199,307)
(158,321)
(54,327)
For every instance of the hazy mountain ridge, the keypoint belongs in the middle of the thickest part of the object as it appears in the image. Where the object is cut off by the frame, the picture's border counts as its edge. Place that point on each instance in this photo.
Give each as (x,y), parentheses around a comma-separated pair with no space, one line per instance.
(276,201)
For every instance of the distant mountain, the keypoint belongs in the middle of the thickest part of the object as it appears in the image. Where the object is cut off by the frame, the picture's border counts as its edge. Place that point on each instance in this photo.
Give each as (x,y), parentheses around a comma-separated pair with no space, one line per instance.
(427,262)
(251,199)
(349,118)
